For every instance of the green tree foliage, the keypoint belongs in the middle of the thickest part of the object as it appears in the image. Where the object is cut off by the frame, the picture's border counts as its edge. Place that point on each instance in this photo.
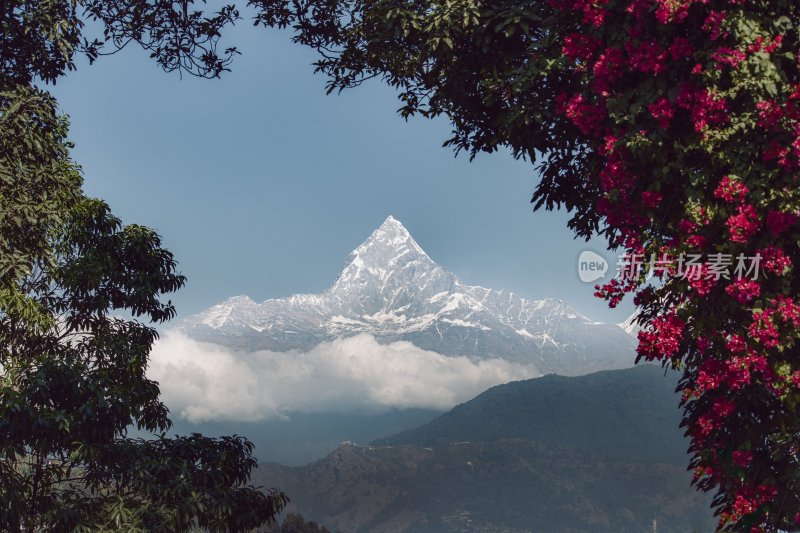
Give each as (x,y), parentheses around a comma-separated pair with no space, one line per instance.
(295,523)
(38,181)
(672,128)
(74,380)
(39,39)
(79,295)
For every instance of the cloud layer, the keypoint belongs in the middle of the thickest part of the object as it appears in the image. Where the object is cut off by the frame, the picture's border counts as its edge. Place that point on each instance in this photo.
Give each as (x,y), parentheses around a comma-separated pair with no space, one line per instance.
(202,381)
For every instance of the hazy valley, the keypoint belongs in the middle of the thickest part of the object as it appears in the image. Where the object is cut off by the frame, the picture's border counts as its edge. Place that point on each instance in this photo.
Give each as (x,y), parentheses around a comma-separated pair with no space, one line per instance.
(387,350)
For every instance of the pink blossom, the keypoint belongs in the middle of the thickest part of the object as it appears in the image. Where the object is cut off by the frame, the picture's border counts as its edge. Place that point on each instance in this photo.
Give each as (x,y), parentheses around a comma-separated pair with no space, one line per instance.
(774,260)
(687,226)
(744,224)
(580,47)
(742,458)
(614,176)
(647,57)
(778,221)
(680,48)
(731,189)
(769,113)
(607,69)
(743,290)
(737,373)
(756,46)
(706,108)
(588,117)
(749,499)
(709,375)
(776,43)
(664,340)
(763,329)
(609,143)
(702,282)
(696,241)
(723,408)
(662,111)
(728,56)
(672,10)
(776,152)
(736,344)
(713,24)
(651,199)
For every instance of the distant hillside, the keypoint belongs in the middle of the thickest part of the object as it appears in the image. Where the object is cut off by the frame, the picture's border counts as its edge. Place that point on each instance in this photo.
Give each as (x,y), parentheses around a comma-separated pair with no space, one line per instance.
(305,437)
(595,453)
(508,486)
(627,414)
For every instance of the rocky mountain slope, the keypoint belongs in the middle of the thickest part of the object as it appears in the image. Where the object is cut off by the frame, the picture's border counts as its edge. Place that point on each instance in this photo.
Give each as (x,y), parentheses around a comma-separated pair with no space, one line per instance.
(391,289)
(596,453)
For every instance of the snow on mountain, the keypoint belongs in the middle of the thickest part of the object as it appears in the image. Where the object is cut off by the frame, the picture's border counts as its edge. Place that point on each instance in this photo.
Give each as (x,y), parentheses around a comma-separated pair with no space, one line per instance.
(390,288)
(631,326)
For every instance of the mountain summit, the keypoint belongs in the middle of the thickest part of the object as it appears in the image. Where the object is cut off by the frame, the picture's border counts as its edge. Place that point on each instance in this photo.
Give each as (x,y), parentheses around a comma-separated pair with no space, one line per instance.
(382,250)
(389,256)
(391,289)
(390,237)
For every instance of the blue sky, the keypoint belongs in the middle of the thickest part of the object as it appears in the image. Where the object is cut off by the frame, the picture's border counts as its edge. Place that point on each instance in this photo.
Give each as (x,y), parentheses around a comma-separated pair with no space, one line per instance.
(261,184)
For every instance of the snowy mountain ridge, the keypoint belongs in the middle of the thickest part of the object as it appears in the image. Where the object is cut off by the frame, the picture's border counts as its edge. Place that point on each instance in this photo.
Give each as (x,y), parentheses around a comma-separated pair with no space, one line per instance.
(391,289)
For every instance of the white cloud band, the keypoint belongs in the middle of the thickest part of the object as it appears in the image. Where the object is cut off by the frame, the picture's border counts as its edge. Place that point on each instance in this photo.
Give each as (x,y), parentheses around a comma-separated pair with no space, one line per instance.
(202,381)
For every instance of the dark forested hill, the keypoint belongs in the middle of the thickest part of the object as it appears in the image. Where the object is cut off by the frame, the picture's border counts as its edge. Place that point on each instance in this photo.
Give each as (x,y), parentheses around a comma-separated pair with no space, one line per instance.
(595,453)
(627,414)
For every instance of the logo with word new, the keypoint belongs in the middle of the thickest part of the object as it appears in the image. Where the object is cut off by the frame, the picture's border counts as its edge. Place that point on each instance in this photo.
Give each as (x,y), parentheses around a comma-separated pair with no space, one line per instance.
(591,266)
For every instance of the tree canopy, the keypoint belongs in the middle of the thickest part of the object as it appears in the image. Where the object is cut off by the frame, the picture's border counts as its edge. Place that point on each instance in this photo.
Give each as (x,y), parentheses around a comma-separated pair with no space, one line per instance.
(73,382)
(80,293)
(671,128)
(39,39)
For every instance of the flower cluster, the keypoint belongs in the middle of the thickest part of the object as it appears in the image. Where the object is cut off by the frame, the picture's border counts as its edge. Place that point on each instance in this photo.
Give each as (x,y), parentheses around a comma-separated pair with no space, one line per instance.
(691,112)
(731,189)
(744,224)
(744,290)
(663,340)
(749,499)
(774,261)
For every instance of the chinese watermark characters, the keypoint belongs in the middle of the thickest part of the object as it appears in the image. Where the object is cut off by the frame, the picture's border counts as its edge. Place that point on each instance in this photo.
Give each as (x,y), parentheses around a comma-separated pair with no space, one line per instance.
(690,266)
(717,266)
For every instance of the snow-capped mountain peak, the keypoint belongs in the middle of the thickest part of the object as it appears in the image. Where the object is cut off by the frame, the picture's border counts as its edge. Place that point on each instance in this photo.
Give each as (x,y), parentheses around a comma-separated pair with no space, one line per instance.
(393,233)
(390,288)
(385,272)
(391,237)
(217,315)
(389,248)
